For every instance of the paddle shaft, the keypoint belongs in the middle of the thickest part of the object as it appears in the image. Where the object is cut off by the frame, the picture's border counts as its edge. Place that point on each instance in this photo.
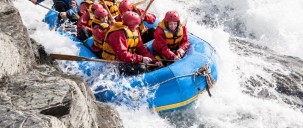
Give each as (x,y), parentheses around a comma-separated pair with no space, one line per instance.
(109,14)
(140,2)
(48,8)
(185,21)
(145,11)
(66,29)
(166,60)
(81,58)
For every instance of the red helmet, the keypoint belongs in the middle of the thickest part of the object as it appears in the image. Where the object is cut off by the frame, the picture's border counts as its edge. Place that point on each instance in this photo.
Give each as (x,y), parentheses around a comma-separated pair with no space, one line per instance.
(96,6)
(100,13)
(131,19)
(125,5)
(172,16)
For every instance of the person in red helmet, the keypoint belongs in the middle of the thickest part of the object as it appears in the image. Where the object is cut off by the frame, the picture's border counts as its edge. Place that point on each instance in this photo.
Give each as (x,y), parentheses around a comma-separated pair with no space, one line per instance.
(146,34)
(84,23)
(125,5)
(100,27)
(85,5)
(123,43)
(112,6)
(171,40)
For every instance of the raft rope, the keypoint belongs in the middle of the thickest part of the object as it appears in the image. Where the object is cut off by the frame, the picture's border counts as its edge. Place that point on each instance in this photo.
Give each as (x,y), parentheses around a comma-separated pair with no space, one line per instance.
(204,71)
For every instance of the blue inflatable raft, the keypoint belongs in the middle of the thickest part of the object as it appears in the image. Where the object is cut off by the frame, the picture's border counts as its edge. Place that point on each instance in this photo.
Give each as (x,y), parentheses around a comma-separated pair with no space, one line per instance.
(168,88)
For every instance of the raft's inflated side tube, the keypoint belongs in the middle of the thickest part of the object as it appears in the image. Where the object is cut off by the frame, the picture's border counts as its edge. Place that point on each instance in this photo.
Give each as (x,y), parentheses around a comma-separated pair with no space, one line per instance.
(51,18)
(178,87)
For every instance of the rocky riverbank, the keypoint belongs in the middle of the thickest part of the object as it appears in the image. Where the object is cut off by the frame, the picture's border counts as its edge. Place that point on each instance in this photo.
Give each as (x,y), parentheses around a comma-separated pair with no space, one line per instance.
(33,90)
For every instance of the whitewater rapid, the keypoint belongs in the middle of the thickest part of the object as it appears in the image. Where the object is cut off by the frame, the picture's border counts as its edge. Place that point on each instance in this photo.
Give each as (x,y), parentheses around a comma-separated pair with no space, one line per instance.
(276,24)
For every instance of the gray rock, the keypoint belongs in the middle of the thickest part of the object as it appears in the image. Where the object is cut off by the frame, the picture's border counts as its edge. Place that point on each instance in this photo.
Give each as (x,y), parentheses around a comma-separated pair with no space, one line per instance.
(13,118)
(16,51)
(34,92)
(46,93)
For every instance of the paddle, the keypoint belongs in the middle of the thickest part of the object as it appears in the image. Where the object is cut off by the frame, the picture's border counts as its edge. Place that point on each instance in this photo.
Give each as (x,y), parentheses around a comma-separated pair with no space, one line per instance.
(81,58)
(109,14)
(140,2)
(66,29)
(145,11)
(166,60)
(48,8)
(185,20)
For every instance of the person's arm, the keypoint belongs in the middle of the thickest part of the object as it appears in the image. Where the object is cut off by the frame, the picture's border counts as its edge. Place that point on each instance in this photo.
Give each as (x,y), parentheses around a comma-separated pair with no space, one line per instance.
(117,41)
(83,22)
(73,10)
(142,50)
(97,32)
(83,8)
(149,18)
(185,41)
(118,18)
(160,45)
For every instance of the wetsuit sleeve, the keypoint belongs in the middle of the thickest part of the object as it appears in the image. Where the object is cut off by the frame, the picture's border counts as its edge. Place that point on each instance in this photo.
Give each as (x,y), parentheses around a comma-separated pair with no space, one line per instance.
(118,42)
(83,22)
(142,50)
(99,32)
(160,45)
(83,8)
(149,18)
(72,11)
(118,18)
(185,41)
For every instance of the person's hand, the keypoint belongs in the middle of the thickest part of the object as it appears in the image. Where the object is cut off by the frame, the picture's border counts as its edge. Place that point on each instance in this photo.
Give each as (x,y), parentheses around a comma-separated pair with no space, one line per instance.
(146,60)
(63,15)
(73,3)
(176,57)
(34,1)
(180,52)
(142,16)
(159,64)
